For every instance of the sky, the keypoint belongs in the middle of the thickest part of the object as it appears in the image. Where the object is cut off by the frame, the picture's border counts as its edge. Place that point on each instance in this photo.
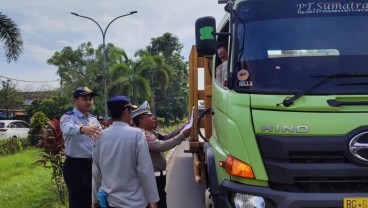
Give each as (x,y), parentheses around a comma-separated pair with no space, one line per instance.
(47,26)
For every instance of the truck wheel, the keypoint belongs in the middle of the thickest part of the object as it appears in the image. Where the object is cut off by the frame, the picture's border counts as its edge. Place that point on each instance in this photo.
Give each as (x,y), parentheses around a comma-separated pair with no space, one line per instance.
(208,199)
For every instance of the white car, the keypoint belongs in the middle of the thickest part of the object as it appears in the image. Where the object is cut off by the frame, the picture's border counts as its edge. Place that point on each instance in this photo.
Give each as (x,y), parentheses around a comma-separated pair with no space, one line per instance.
(13,129)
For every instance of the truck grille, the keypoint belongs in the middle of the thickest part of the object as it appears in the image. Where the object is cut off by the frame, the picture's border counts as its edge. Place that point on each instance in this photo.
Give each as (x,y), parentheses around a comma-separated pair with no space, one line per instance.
(317,157)
(313,164)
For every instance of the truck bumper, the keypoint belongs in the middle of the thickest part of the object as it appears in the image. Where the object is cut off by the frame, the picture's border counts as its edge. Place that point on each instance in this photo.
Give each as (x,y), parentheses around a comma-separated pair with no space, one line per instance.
(280,199)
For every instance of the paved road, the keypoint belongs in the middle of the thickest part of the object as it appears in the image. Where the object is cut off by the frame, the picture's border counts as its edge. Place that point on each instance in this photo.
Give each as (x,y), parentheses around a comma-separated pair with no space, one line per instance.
(182,191)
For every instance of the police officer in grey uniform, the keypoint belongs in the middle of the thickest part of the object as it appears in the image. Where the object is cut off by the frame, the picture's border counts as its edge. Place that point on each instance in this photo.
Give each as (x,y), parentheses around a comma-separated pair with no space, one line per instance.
(121,162)
(79,129)
(143,119)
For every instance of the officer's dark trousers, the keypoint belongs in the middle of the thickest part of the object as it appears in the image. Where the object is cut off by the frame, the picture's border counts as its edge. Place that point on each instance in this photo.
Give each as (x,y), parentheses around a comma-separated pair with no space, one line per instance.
(161,184)
(78,178)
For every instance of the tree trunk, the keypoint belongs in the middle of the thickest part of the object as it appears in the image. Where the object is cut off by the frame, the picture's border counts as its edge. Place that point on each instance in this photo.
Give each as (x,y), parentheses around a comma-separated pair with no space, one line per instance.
(152,101)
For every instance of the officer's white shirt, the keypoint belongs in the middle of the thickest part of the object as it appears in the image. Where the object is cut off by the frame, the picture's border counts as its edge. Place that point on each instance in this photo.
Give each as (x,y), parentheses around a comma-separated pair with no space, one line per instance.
(76,144)
(122,167)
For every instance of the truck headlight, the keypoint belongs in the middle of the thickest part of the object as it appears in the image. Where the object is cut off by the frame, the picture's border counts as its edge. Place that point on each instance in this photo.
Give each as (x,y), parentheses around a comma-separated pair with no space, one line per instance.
(248,201)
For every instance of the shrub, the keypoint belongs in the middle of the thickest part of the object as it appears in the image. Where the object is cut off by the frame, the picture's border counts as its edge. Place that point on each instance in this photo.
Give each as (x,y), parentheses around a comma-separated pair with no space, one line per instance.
(52,155)
(38,122)
(161,121)
(13,145)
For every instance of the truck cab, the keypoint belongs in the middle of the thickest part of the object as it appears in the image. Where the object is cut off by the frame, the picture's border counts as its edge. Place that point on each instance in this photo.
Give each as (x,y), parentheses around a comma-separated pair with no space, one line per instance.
(290,128)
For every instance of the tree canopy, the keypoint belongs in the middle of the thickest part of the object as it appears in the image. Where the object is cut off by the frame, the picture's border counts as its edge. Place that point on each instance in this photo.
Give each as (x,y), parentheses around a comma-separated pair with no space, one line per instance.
(166,45)
(11,37)
(10,97)
(172,103)
(158,74)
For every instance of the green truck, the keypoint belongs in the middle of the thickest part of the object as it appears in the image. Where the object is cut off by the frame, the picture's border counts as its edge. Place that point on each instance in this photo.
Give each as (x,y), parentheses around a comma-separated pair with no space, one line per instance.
(290,126)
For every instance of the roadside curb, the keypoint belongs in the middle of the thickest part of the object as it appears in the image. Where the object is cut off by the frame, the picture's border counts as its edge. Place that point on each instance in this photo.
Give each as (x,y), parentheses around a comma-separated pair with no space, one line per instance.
(169,155)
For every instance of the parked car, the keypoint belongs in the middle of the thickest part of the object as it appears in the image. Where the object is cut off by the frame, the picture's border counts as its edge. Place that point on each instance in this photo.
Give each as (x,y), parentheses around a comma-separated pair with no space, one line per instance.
(13,129)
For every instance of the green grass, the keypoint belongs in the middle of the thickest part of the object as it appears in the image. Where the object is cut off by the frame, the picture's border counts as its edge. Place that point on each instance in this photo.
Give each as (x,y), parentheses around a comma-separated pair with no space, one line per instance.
(24,183)
(168,129)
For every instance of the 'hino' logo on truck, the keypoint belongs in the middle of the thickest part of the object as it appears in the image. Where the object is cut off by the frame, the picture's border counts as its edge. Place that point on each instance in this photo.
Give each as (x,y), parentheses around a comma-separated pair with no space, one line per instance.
(284,128)
(358,146)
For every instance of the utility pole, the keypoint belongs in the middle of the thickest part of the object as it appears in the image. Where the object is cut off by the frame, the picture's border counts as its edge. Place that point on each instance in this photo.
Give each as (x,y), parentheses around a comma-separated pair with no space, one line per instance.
(7,98)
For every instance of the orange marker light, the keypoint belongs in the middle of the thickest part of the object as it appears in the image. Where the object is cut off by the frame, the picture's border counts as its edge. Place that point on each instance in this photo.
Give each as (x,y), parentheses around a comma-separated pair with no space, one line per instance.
(236,167)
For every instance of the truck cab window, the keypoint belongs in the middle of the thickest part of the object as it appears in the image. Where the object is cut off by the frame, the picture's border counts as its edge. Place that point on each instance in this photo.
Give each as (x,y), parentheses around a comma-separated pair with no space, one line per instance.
(222,57)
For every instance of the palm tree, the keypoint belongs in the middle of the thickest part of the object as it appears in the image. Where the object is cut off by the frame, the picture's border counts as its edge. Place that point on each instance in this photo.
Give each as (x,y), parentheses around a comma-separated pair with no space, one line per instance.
(124,76)
(114,55)
(10,35)
(127,79)
(156,71)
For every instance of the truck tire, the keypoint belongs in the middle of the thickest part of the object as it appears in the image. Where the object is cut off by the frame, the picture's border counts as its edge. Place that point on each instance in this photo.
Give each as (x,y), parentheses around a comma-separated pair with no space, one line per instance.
(208,199)
(212,187)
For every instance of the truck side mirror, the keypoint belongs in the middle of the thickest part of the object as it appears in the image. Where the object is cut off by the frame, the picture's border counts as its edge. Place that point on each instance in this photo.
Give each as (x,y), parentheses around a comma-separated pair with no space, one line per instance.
(205,29)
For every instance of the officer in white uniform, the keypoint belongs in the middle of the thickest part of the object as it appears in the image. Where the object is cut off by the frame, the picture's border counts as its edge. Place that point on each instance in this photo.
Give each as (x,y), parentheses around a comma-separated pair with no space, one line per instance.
(122,167)
(79,129)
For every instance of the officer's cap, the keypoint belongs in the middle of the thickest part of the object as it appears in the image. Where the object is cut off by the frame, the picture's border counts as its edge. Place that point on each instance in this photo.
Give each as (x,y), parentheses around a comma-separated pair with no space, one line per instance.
(143,109)
(119,102)
(83,91)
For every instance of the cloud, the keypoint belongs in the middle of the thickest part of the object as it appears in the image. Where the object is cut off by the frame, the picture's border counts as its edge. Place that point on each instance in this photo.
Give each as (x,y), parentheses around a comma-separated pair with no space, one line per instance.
(37,52)
(28,28)
(48,26)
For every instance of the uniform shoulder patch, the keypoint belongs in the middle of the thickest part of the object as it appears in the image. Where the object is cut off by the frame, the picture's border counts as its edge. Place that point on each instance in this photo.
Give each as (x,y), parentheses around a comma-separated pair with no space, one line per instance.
(69,113)
(67,116)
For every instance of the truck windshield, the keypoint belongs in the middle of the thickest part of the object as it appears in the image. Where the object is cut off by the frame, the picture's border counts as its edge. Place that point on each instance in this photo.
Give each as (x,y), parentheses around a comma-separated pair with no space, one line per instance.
(281,46)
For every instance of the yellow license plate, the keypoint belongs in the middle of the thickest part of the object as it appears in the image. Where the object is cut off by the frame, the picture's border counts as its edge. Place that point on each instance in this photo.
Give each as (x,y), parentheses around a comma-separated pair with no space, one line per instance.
(361,202)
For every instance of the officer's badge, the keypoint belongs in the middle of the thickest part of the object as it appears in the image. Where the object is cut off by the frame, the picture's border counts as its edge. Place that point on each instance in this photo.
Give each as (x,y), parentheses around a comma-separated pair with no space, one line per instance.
(149,135)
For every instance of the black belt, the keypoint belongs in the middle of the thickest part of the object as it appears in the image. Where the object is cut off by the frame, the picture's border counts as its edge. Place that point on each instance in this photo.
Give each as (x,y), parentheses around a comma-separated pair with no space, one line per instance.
(79,159)
(160,173)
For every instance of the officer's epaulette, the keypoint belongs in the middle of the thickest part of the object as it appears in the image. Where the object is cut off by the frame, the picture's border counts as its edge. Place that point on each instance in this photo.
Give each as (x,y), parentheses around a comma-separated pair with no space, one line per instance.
(69,113)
